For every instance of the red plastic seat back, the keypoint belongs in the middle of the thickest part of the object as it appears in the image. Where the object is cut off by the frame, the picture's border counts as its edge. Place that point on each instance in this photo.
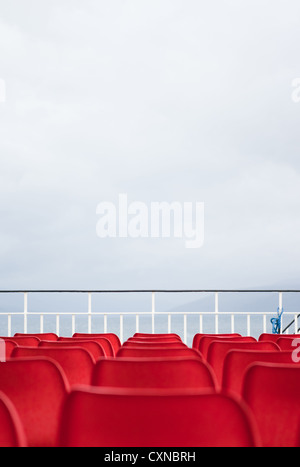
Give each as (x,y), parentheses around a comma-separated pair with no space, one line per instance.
(197,338)
(155,339)
(157,352)
(77,363)
(153,373)
(44,336)
(274,337)
(11,429)
(30,341)
(37,387)
(272,393)
(145,418)
(236,363)
(153,344)
(91,346)
(6,347)
(218,349)
(205,341)
(113,338)
(103,341)
(156,335)
(289,343)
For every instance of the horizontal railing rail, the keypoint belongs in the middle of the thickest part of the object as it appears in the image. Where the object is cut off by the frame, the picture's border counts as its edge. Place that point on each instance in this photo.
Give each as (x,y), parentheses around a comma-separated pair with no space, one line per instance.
(216,314)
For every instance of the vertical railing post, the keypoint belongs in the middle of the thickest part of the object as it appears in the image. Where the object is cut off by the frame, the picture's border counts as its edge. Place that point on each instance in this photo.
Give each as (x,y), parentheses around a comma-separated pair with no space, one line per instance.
(153,312)
(25,311)
(216,312)
(89,312)
(280,309)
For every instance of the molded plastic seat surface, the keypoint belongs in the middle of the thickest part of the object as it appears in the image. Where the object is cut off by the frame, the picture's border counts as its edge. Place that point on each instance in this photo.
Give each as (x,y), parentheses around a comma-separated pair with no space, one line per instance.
(157,352)
(37,387)
(30,341)
(98,417)
(274,337)
(272,393)
(205,341)
(154,344)
(77,363)
(93,347)
(197,337)
(236,363)
(217,351)
(155,335)
(289,343)
(154,339)
(103,341)
(8,347)
(113,338)
(46,336)
(157,373)
(11,429)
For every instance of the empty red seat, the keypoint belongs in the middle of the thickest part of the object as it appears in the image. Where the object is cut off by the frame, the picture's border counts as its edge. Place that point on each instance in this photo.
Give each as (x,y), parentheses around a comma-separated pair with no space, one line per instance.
(103,341)
(45,336)
(205,341)
(155,335)
(236,363)
(6,348)
(11,429)
(93,347)
(77,363)
(272,393)
(30,341)
(153,344)
(154,339)
(113,338)
(197,337)
(157,352)
(97,417)
(274,337)
(217,351)
(153,373)
(289,343)
(37,388)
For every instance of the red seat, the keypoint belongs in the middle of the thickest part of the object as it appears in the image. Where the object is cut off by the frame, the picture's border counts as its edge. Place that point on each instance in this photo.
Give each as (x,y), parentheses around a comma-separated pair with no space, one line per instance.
(103,341)
(97,417)
(93,347)
(44,336)
(272,393)
(153,373)
(157,352)
(197,338)
(154,339)
(37,388)
(289,343)
(76,362)
(113,338)
(205,341)
(217,351)
(153,344)
(11,429)
(6,348)
(274,337)
(236,363)
(30,341)
(155,335)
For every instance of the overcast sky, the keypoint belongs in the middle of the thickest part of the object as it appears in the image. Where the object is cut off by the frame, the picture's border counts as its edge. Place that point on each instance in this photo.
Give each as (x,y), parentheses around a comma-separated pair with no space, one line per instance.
(164,100)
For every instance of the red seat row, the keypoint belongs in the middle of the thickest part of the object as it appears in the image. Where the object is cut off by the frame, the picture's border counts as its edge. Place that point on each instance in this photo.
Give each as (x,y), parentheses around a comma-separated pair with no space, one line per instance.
(237,392)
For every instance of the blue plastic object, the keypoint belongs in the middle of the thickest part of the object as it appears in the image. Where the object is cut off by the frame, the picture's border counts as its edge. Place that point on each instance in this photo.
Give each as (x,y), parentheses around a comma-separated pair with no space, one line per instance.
(276,322)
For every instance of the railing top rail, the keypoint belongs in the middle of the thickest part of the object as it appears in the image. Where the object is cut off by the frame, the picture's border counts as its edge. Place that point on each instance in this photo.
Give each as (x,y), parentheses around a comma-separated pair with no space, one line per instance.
(154,291)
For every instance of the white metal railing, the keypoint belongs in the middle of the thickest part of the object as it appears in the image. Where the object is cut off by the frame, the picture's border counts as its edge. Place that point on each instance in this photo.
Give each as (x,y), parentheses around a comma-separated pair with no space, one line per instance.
(153,313)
